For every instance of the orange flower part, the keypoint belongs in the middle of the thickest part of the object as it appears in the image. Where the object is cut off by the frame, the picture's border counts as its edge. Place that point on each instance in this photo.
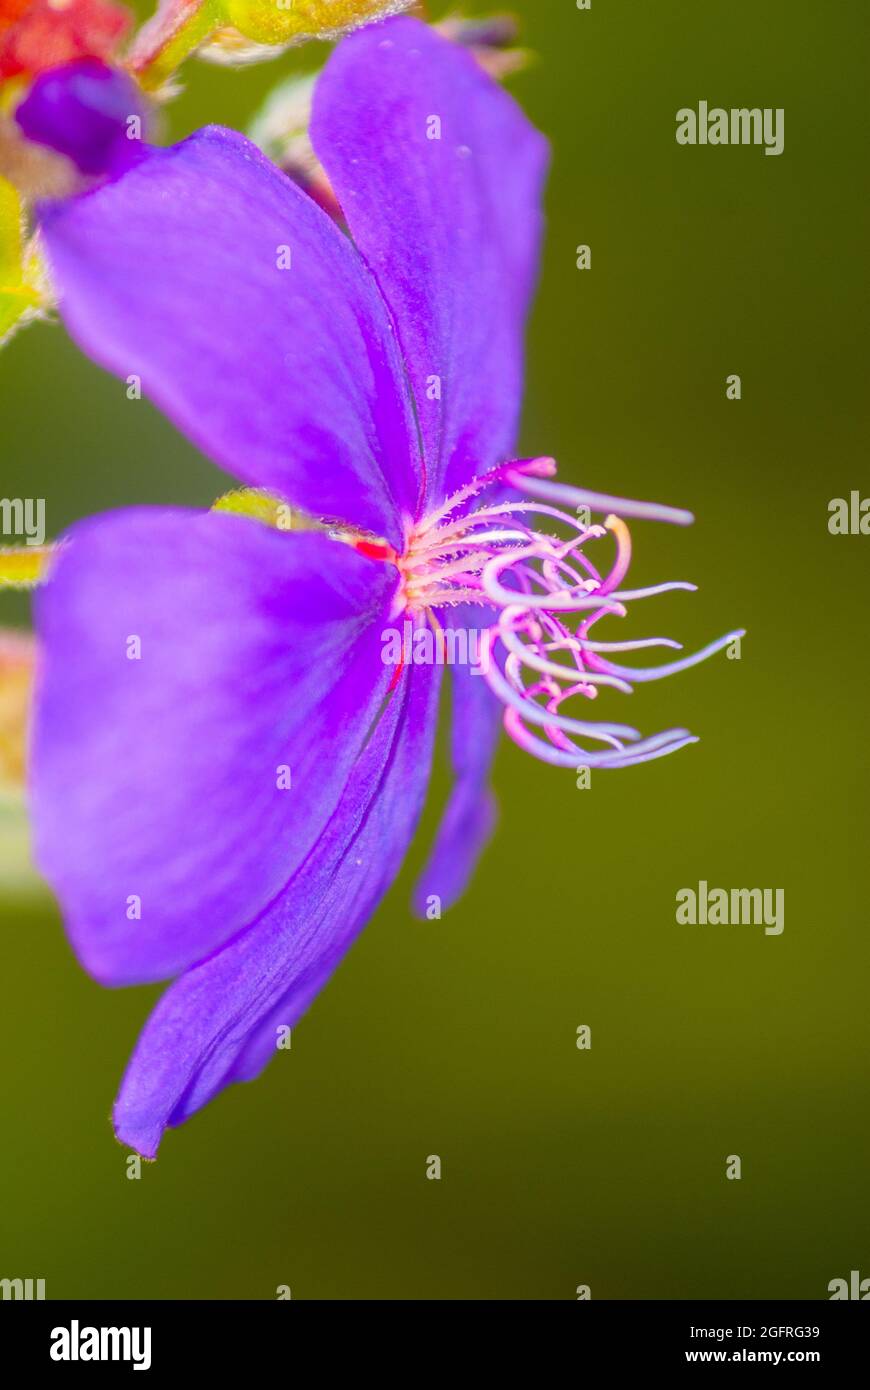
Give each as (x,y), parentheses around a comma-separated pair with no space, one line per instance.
(17,652)
(39,34)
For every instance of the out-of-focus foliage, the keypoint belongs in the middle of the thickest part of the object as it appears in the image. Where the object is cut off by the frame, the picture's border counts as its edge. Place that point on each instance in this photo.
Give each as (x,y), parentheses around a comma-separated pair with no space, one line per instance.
(21,291)
(259,505)
(306,19)
(23,566)
(17,654)
(243,30)
(16,671)
(16,674)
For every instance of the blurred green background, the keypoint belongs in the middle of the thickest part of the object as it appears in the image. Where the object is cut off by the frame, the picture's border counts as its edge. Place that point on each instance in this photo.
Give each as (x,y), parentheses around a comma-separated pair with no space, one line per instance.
(560,1167)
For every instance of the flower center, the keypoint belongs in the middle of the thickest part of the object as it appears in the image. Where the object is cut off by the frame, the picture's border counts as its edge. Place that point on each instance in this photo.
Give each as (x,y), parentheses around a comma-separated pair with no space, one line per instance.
(540,596)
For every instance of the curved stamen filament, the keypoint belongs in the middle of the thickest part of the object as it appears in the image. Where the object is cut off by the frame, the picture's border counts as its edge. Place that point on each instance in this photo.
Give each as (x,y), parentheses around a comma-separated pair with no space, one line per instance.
(537,486)
(531,581)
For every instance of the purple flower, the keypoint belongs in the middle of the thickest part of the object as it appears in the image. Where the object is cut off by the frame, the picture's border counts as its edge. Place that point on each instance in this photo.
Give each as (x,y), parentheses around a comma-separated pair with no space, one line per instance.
(225,773)
(89,112)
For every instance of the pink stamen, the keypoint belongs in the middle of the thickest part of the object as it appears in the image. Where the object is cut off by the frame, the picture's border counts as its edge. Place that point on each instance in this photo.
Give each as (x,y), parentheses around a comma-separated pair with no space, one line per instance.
(533,580)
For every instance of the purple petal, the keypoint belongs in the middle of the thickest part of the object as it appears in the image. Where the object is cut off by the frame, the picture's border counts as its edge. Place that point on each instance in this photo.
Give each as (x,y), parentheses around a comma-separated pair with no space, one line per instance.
(218,1023)
(470,815)
(288,378)
(157,779)
(450,226)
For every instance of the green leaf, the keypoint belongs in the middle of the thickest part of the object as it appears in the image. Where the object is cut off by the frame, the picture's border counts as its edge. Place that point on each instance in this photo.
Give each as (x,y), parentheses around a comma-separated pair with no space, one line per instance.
(21,294)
